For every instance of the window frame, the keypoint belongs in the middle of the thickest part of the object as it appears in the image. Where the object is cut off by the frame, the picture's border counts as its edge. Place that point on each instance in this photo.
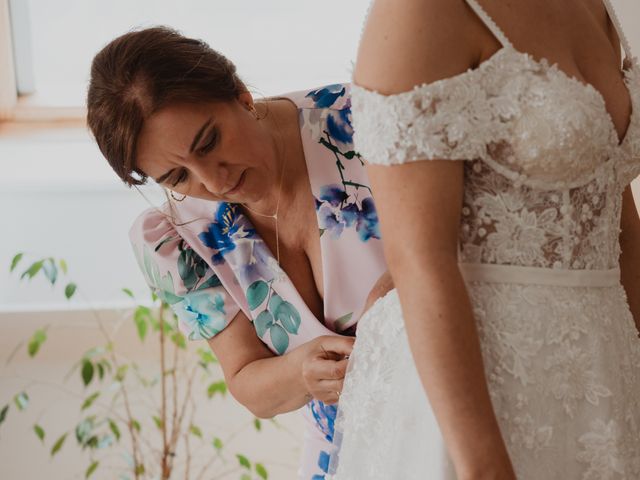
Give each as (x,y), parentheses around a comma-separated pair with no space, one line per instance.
(19,100)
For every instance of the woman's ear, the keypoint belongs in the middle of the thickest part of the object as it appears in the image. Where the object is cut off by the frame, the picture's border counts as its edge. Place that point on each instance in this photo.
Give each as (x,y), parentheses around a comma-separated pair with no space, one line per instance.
(246,100)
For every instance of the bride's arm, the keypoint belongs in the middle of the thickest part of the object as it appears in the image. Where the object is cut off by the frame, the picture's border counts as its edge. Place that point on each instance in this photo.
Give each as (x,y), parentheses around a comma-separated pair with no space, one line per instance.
(404,44)
(630,258)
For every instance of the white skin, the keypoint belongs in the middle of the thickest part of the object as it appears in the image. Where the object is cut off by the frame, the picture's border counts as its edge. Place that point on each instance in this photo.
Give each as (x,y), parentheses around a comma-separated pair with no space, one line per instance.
(420,202)
(240,139)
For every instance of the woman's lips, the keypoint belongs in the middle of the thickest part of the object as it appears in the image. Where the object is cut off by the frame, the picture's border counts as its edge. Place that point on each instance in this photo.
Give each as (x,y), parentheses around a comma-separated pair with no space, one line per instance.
(238,185)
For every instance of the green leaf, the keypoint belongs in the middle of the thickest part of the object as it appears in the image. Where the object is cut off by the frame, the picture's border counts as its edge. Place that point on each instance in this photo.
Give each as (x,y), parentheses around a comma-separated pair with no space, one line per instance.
(128,292)
(84,429)
(3,413)
(279,338)
(288,316)
(63,265)
(141,319)
(261,471)
(212,282)
(32,270)
(195,431)
(340,322)
(87,372)
(217,387)
(15,260)
(91,469)
(274,302)
(140,469)
(217,444)
(39,432)
(113,426)
(50,270)
(89,401)
(179,340)
(121,372)
(158,422)
(257,424)
(207,356)
(136,425)
(69,290)
(256,293)
(37,339)
(244,461)
(100,370)
(58,445)
(21,400)
(262,322)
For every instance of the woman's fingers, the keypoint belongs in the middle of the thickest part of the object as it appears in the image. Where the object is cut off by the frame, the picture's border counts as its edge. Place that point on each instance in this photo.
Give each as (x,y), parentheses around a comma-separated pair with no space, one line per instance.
(320,369)
(328,391)
(335,347)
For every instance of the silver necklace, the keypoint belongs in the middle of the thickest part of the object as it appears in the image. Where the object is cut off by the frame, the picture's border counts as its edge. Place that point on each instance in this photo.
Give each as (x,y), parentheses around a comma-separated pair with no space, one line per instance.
(275,215)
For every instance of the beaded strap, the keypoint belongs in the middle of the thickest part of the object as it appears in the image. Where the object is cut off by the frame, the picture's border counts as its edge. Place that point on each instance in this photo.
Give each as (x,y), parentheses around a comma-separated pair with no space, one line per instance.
(488,21)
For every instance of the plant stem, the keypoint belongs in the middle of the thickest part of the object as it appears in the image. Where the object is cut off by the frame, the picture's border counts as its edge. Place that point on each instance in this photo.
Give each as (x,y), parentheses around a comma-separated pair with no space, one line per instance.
(166,471)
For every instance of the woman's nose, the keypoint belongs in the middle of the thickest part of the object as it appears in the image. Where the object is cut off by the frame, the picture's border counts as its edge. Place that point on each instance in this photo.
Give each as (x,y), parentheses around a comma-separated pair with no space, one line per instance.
(212,175)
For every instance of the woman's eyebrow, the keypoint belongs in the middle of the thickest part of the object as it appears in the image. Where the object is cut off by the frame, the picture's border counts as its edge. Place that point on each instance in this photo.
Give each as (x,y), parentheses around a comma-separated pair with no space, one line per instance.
(195,142)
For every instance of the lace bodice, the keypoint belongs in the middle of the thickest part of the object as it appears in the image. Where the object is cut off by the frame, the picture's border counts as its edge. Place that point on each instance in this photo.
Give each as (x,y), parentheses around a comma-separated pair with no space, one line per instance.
(544,169)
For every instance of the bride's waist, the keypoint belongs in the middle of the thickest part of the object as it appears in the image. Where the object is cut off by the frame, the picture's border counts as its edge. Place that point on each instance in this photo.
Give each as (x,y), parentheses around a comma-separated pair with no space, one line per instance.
(491,273)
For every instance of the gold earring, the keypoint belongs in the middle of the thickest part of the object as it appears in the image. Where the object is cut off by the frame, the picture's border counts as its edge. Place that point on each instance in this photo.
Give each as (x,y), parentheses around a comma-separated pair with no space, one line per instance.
(177,199)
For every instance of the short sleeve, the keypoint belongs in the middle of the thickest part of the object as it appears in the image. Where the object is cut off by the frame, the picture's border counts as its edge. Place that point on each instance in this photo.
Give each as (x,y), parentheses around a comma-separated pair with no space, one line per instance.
(180,277)
(451,119)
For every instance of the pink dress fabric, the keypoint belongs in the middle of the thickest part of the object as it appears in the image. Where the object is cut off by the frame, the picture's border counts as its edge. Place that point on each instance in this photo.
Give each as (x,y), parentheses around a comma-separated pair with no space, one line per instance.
(206,260)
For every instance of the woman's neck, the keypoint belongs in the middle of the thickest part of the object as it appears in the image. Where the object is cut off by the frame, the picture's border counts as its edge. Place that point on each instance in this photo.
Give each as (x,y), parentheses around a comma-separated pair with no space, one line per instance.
(281,119)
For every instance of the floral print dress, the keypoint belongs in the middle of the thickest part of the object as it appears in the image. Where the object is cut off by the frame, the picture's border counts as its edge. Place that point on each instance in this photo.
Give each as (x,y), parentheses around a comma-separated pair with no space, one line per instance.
(206,260)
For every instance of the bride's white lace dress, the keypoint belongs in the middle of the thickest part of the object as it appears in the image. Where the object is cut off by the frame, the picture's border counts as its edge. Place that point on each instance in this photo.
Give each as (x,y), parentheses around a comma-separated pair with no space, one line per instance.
(539,250)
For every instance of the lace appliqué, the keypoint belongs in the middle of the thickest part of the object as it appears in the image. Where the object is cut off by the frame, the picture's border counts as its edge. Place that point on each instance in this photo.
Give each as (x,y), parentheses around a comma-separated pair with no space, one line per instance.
(544,168)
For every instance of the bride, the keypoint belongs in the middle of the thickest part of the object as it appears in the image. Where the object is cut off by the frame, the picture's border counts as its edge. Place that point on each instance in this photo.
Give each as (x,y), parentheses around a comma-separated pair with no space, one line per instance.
(502,138)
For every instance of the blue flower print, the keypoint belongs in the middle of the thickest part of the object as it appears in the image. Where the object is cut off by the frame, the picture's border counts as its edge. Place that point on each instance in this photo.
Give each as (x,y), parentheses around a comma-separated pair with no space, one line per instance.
(368,226)
(339,126)
(333,194)
(203,313)
(323,463)
(325,97)
(325,417)
(226,230)
(336,211)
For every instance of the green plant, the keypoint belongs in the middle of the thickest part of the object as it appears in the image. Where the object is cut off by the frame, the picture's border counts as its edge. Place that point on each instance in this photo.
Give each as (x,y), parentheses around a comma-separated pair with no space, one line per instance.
(159,443)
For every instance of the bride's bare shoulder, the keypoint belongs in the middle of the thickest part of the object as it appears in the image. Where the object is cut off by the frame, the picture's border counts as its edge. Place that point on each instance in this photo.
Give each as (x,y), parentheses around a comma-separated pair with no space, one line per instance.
(410,42)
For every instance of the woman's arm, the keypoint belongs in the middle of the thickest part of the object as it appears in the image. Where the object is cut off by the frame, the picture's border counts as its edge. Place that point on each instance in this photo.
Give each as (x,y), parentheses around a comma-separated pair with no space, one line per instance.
(630,258)
(268,384)
(405,43)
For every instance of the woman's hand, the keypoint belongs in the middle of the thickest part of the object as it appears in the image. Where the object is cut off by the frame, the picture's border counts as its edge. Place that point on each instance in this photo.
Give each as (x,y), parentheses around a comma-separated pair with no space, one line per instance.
(379,290)
(323,364)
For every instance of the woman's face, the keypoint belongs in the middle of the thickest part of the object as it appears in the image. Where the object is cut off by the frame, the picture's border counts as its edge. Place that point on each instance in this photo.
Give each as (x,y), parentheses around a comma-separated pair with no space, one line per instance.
(214,151)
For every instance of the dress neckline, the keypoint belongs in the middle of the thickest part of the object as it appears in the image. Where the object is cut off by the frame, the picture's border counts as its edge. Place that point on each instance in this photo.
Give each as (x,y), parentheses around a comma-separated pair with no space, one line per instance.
(544,63)
(499,34)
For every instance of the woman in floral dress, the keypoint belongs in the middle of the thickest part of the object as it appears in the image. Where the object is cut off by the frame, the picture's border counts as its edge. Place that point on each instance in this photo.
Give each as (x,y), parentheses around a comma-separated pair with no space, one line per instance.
(269,248)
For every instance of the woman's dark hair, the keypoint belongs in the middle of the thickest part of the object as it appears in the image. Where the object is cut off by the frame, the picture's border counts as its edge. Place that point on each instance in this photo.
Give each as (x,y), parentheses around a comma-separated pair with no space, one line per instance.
(141,72)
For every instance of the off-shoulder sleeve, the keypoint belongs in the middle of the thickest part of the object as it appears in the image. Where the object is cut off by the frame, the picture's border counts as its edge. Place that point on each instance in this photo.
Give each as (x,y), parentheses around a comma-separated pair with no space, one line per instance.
(180,277)
(452,119)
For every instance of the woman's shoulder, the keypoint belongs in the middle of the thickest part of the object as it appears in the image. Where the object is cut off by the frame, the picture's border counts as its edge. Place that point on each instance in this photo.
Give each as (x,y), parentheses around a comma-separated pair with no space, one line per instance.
(157,224)
(336,96)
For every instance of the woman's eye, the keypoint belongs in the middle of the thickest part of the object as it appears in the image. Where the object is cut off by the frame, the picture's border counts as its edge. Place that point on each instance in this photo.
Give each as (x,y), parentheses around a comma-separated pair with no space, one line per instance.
(181,178)
(210,142)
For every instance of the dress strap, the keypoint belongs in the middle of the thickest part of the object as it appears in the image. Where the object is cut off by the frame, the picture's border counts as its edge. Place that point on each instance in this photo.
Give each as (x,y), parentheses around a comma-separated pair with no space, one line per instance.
(488,21)
(616,23)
